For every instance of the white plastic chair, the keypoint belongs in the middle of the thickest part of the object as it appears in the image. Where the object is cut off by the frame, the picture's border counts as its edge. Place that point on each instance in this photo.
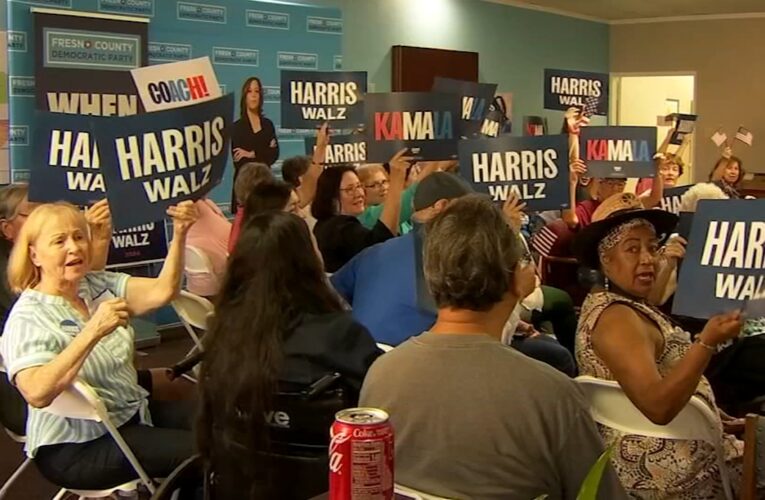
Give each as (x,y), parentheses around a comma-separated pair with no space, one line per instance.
(196,261)
(193,312)
(19,470)
(80,401)
(611,407)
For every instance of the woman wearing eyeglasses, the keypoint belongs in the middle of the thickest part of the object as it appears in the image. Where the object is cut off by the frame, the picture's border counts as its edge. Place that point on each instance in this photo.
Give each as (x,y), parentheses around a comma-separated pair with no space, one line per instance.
(340,199)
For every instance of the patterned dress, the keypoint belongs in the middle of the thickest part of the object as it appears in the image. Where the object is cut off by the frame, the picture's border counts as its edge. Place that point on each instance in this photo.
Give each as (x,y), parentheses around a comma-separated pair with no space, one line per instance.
(653,468)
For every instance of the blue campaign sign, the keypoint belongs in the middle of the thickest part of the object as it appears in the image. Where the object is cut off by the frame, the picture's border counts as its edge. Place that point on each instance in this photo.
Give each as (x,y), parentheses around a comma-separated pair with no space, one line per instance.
(424,122)
(476,99)
(534,168)
(672,196)
(565,89)
(156,160)
(138,245)
(618,152)
(342,149)
(67,164)
(310,98)
(725,263)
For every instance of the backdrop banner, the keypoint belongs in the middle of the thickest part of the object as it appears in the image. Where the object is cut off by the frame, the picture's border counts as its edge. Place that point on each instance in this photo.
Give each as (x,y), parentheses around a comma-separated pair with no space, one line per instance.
(619,152)
(476,101)
(310,98)
(535,169)
(348,149)
(565,89)
(423,122)
(724,266)
(156,160)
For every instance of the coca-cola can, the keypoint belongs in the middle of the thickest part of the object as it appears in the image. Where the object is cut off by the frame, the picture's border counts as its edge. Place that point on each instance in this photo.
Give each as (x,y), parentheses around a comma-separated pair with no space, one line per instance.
(361,455)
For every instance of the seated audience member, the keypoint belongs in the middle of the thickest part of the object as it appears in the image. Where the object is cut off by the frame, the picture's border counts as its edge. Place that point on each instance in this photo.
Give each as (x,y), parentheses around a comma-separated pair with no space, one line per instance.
(671,167)
(267,196)
(73,323)
(663,369)
(340,199)
(728,174)
(482,421)
(386,281)
(250,175)
(210,235)
(15,208)
(277,327)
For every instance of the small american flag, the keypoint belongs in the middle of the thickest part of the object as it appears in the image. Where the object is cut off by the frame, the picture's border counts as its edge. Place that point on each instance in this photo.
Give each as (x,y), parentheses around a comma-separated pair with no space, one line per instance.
(744,136)
(543,241)
(590,106)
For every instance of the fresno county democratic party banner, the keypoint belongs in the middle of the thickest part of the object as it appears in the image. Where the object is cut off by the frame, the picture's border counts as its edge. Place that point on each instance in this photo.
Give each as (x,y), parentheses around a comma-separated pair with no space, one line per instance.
(140,244)
(178,84)
(672,196)
(724,266)
(154,161)
(565,89)
(342,149)
(620,152)
(535,169)
(423,122)
(82,63)
(310,98)
(67,164)
(476,99)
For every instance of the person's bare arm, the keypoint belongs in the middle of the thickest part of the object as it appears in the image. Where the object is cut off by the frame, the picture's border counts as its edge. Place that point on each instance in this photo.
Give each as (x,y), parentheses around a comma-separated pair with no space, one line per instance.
(99,220)
(664,285)
(307,189)
(392,205)
(40,385)
(657,190)
(621,329)
(577,168)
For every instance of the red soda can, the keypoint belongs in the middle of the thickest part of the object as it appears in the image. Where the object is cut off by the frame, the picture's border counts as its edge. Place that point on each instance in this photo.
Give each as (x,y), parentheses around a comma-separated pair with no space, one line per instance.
(361,455)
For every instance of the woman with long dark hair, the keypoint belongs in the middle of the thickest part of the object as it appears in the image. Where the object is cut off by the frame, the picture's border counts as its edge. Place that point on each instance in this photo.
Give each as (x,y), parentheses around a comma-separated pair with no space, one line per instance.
(277,326)
(253,136)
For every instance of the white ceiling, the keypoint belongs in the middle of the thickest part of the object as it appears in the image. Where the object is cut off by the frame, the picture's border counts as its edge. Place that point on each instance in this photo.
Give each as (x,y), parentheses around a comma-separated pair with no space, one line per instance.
(628,10)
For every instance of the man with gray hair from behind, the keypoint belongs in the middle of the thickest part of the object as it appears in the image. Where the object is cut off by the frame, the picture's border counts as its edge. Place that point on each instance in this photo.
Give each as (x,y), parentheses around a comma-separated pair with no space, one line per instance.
(475,418)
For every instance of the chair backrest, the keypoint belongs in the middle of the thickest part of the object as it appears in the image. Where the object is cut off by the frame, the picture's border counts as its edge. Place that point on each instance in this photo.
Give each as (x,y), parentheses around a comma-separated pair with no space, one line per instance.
(300,422)
(78,401)
(196,260)
(384,347)
(193,309)
(610,406)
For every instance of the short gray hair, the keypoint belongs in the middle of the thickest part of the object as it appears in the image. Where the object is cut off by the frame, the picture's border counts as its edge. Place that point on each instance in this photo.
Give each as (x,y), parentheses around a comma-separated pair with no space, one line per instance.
(248,176)
(470,254)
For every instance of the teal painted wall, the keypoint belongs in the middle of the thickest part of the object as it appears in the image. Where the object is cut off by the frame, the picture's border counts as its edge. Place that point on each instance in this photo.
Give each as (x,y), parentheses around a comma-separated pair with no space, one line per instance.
(515,45)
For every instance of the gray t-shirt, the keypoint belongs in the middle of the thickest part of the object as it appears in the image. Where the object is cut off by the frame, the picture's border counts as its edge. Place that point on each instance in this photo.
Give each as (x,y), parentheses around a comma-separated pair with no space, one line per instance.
(476,419)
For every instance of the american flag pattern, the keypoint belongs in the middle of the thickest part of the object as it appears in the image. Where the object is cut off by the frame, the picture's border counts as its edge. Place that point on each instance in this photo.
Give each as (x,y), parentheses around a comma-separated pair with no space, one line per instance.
(543,241)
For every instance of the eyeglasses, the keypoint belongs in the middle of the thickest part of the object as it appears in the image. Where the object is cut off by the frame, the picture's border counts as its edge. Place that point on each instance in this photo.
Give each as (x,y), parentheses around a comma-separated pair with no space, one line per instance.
(378,185)
(352,189)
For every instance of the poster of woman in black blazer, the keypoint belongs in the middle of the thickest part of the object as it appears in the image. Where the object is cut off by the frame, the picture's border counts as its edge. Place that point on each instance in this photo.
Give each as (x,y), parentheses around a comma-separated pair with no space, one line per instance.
(253,137)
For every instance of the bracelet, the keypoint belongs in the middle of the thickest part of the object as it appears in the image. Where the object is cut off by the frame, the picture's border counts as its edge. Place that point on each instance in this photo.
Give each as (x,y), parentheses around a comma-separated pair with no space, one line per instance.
(703,344)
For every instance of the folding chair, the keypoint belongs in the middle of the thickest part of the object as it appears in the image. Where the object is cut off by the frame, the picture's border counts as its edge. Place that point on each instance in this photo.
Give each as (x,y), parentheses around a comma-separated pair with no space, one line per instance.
(191,468)
(80,401)
(193,311)
(754,456)
(411,494)
(611,407)
(19,470)
(15,413)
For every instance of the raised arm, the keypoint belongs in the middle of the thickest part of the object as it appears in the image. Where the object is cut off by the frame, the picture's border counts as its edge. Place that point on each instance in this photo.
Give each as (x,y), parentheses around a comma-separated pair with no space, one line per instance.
(307,188)
(392,206)
(577,168)
(147,294)
(621,329)
(100,223)
(40,385)
(657,189)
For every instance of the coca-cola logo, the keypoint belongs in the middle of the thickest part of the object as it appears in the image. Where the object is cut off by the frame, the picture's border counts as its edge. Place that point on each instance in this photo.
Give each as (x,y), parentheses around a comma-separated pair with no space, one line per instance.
(335,457)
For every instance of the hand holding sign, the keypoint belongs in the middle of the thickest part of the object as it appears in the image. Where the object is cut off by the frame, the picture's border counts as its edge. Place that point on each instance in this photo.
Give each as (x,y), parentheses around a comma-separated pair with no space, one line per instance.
(99,220)
(675,248)
(184,215)
(721,328)
(513,210)
(399,162)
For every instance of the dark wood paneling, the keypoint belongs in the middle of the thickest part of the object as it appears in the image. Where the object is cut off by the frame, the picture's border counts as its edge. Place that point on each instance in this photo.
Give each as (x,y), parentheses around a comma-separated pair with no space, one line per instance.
(414,68)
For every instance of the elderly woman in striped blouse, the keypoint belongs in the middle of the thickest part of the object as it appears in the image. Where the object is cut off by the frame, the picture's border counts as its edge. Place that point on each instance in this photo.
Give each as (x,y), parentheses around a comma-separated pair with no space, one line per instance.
(69,323)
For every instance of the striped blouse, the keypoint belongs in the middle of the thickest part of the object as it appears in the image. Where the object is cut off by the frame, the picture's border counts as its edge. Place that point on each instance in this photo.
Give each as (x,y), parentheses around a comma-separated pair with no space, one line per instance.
(40,326)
